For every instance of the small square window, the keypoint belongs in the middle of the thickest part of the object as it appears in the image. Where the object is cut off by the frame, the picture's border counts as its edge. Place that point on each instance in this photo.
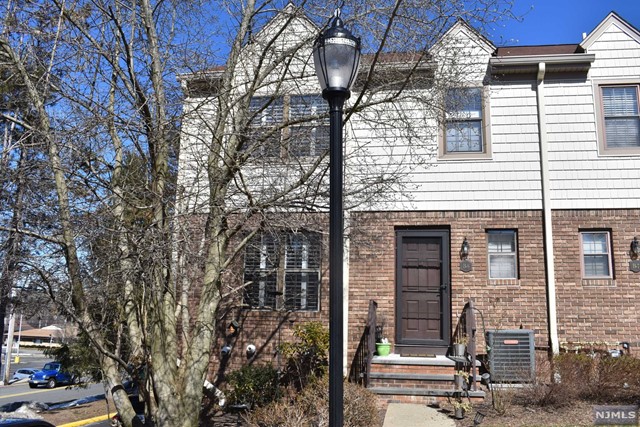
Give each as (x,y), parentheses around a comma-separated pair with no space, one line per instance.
(503,254)
(596,254)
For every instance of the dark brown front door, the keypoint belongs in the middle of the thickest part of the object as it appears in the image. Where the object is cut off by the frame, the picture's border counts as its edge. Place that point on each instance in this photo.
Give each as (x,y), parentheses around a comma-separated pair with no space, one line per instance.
(423,301)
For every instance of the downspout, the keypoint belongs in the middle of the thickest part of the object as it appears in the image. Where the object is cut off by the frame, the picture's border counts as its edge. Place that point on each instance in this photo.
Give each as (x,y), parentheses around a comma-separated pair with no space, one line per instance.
(547,223)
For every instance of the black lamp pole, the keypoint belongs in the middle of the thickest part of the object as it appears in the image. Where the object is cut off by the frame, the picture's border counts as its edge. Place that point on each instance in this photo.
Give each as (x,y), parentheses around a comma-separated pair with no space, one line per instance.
(336,55)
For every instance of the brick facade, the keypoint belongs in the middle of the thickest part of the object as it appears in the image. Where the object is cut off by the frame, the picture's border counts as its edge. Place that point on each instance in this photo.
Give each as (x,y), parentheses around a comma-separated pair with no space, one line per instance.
(603,312)
(589,312)
(503,304)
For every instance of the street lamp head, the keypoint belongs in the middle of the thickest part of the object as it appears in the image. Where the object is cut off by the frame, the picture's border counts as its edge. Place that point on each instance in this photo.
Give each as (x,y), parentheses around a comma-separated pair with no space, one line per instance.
(336,55)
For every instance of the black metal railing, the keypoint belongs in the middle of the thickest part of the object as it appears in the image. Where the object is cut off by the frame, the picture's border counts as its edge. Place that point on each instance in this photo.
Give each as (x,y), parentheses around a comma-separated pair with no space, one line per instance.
(465,333)
(361,364)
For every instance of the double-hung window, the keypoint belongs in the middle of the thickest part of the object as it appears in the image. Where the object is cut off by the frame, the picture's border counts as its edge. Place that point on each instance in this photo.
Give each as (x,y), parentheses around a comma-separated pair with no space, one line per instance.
(287,265)
(464,124)
(502,254)
(619,111)
(596,255)
(309,132)
(291,126)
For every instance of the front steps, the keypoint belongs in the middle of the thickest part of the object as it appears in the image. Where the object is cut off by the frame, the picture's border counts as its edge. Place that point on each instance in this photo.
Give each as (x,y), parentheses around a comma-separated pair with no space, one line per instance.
(415,379)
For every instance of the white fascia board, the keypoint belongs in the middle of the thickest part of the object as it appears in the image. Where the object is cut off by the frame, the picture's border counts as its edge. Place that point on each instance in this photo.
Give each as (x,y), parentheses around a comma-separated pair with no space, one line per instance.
(572,58)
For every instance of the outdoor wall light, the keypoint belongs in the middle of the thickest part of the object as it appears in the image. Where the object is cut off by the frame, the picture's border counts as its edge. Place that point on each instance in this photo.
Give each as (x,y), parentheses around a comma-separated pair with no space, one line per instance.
(226,350)
(233,328)
(251,351)
(635,248)
(464,249)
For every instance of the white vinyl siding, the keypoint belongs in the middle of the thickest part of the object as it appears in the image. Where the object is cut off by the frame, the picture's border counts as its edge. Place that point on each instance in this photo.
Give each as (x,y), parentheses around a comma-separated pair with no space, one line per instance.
(502,254)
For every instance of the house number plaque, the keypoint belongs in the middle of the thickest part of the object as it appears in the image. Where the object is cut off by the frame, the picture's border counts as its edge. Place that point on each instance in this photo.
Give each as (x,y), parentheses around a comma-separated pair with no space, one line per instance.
(466,266)
(634,266)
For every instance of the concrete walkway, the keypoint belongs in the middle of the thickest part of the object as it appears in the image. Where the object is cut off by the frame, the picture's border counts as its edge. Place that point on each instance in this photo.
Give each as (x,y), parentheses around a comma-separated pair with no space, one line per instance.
(414,415)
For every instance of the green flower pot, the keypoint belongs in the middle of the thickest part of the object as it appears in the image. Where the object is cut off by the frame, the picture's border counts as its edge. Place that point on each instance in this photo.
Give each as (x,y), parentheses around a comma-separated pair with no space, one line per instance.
(383,349)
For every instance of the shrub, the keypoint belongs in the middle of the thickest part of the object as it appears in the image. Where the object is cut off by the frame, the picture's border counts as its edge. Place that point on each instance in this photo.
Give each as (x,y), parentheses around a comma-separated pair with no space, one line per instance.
(548,388)
(311,408)
(615,379)
(254,385)
(308,357)
(595,377)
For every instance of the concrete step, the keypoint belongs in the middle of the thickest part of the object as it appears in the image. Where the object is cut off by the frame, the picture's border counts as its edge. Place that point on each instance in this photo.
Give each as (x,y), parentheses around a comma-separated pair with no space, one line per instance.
(403,391)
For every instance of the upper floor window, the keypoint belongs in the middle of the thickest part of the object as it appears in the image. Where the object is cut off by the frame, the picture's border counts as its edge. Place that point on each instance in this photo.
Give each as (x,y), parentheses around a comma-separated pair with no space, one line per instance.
(619,124)
(465,120)
(596,254)
(290,126)
(503,254)
(286,265)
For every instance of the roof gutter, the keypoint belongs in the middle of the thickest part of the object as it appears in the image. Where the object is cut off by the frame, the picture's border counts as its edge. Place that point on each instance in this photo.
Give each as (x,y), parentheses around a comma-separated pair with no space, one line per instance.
(547,222)
(553,63)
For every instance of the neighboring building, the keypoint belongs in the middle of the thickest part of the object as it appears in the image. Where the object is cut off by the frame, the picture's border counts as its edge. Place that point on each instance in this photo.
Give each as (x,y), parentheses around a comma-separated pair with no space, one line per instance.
(535,164)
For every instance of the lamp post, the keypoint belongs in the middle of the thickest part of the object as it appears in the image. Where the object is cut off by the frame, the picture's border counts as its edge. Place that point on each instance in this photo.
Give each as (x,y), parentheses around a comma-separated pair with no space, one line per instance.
(336,56)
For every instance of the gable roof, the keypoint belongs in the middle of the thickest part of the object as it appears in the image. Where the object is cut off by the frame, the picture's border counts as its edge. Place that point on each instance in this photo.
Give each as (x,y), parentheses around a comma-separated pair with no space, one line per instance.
(612,19)
(462,25)
(289,12)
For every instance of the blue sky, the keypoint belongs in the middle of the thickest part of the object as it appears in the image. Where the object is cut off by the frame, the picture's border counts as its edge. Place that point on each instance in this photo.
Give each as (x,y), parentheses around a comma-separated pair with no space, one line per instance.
(560,21)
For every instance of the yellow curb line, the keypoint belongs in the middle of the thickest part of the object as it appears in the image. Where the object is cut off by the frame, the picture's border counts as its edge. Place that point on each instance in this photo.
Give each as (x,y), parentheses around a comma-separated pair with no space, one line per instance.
(89,420)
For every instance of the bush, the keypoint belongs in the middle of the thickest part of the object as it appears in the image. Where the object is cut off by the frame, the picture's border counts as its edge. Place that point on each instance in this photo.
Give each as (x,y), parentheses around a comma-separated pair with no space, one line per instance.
(597,378)
(308,357)
(311,408)
(253,385)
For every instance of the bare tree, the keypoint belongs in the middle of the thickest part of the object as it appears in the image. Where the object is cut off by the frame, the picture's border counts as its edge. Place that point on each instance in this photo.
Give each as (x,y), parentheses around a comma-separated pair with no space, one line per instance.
(107,107)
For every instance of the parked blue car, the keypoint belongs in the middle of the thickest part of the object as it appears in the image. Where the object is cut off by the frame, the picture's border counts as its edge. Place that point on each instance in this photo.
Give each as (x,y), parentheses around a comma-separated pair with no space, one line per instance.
(50,376)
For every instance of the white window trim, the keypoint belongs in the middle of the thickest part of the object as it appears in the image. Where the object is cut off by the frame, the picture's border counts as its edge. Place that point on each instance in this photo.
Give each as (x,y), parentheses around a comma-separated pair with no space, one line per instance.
(609,255)
(515,255)
(486,132)
(603,150)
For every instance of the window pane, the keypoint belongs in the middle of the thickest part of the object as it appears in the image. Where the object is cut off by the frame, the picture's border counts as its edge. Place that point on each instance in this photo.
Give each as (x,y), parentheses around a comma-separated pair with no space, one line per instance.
(594,243)
(502,241)
(267,111)
(464,136)
(306,106)
(502,266)
(309,138)
(622,132)
(308,141)
(464,102)
(301,290)
(596,266)
(620,101)
(260,271)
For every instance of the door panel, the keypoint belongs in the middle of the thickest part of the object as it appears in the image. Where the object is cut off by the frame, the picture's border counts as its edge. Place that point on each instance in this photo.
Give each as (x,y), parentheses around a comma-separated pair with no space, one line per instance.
(423,306)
